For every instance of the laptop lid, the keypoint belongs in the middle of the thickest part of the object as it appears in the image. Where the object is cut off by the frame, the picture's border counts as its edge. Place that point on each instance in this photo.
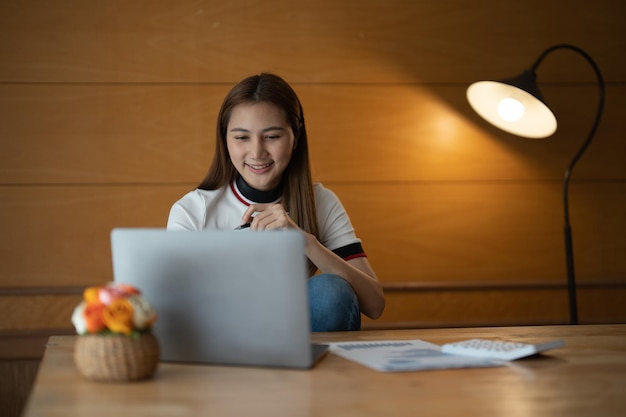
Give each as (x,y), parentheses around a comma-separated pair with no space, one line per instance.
(222,297)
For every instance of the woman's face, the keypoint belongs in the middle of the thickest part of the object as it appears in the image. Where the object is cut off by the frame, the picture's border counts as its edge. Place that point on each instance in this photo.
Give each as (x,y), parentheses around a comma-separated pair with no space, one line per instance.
(260,143)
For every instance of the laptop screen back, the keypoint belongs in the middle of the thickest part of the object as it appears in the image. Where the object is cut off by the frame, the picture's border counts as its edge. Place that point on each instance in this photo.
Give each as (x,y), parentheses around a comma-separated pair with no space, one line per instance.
(223,297)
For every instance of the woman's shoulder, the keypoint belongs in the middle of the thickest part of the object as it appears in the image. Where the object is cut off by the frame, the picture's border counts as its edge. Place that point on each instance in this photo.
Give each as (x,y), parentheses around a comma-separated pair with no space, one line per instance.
(323,193)
(325,199)
(200,197)
(190,211)
(335,228)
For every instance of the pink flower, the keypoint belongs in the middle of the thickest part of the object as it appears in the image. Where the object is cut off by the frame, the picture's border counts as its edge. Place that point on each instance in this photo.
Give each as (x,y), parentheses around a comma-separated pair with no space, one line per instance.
(115,291)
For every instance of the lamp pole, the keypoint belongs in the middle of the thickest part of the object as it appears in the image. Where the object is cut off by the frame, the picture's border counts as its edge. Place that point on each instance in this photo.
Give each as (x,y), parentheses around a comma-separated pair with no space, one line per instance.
(569,250)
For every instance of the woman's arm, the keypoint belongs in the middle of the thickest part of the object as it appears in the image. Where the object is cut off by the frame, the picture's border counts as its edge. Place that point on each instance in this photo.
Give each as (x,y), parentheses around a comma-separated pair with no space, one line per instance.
(357,272)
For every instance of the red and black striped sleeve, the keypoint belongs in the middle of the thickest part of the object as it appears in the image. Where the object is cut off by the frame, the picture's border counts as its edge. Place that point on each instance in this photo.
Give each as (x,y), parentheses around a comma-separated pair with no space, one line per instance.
(351,251)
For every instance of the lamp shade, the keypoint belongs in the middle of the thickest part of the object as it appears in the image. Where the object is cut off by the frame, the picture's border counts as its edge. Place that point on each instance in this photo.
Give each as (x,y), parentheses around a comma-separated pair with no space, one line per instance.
(514,105)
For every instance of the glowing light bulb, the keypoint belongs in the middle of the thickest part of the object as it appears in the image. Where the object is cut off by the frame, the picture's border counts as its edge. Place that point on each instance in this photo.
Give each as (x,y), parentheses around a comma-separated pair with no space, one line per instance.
(510,109)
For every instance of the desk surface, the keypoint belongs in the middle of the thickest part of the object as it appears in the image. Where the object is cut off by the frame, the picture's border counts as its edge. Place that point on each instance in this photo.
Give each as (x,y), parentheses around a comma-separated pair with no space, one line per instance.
(585,378)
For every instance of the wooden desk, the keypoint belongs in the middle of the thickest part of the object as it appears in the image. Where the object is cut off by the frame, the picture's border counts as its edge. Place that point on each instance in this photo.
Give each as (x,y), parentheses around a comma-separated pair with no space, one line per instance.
(585,378)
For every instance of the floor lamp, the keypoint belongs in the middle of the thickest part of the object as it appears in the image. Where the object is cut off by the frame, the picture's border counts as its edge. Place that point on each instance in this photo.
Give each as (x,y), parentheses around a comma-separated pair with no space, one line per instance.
(515,105)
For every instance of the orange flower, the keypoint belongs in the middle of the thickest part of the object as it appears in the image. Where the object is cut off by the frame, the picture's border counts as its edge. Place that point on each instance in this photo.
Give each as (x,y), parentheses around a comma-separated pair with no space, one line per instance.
(91,294)
(118,316)
(93,316)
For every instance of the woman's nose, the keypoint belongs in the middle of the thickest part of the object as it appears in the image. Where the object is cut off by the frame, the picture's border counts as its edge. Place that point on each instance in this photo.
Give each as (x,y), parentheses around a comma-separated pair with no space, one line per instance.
(258,148)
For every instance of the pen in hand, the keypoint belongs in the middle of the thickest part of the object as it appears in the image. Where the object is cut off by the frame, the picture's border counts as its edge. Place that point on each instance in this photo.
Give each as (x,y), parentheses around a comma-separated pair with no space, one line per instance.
(247,225)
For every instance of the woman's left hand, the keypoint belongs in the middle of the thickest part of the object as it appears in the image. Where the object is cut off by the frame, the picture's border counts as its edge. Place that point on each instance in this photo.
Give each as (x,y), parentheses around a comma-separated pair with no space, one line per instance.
(268,217)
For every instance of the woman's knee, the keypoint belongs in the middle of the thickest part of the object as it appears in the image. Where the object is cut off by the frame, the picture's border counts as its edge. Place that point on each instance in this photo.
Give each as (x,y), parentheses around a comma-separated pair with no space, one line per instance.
(332,288)
(334,305)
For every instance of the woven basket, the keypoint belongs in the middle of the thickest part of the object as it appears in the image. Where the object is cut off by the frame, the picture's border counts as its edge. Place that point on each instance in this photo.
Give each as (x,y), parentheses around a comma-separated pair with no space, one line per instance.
(116,357)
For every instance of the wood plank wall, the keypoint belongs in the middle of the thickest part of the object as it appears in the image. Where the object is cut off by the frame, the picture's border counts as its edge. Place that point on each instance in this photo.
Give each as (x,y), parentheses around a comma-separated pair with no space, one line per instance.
(107,116)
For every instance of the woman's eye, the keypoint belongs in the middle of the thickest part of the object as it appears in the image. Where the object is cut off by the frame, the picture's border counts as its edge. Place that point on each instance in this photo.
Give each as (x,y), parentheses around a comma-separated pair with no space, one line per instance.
(272,137)
(240,137)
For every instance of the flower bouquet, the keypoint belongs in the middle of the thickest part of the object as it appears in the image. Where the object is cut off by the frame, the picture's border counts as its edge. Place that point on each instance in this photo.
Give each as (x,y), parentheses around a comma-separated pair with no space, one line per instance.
(115,342)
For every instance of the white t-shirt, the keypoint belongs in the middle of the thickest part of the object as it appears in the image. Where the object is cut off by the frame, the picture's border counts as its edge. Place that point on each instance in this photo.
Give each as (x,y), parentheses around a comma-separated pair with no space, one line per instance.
(223,209)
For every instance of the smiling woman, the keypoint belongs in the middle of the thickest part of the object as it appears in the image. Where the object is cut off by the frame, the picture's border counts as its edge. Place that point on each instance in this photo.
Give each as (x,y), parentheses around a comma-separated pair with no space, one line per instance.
(260,144)
(261,176)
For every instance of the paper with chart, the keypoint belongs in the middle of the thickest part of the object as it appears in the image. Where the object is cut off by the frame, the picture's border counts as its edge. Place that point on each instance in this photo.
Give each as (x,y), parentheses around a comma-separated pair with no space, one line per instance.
(404,355)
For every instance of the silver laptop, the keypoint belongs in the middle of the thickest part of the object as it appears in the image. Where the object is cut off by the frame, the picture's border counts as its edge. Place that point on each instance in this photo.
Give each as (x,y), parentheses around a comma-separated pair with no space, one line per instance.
(222,297)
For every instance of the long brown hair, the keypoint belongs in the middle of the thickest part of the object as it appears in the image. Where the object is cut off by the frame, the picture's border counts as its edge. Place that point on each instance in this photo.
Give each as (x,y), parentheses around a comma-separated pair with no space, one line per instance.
(297,194)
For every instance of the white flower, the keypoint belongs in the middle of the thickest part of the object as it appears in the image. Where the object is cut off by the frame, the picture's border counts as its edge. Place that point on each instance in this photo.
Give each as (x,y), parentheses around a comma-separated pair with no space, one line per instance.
(78,318)
(143,313)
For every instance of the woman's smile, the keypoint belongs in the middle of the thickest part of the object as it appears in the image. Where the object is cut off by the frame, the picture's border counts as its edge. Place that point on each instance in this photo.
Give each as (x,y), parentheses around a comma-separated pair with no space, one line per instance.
(259,169)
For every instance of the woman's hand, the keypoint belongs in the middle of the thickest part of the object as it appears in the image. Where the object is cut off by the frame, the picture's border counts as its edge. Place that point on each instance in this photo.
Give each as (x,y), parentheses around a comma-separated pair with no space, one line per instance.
(268,217)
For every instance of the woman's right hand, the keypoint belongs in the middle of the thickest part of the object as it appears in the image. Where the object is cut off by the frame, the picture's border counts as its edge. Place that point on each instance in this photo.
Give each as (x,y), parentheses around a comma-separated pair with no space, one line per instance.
(268,217)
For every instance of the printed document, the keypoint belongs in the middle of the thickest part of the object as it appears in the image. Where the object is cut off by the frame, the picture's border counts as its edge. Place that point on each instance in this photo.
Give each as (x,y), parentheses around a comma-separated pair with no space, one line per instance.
(405,355)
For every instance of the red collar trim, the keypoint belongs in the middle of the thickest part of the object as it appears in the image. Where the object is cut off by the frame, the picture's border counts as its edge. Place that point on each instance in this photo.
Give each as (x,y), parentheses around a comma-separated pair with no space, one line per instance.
(239,196)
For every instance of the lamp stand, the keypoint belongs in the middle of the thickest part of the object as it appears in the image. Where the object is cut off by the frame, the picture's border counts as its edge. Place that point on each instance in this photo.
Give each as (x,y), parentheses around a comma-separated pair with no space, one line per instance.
(569,251)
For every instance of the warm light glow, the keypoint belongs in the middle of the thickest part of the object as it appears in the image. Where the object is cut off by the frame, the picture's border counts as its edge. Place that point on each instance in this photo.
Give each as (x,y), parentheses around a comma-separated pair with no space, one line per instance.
(510,109)
(536,120)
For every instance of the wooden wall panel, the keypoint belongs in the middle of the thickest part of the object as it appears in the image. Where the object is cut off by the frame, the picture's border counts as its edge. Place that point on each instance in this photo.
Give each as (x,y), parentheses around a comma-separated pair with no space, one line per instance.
(28,313)
(165,134)
(59,236)
(497,307)
(505,231)
(106,134)
(324,41)
(29,317)
(16,378)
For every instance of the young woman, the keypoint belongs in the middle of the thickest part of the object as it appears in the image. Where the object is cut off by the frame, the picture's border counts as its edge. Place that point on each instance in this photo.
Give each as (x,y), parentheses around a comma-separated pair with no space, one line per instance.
(261,177)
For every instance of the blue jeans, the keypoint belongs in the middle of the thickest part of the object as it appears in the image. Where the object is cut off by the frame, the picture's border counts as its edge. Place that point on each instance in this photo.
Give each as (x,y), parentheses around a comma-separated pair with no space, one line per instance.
(333,303)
